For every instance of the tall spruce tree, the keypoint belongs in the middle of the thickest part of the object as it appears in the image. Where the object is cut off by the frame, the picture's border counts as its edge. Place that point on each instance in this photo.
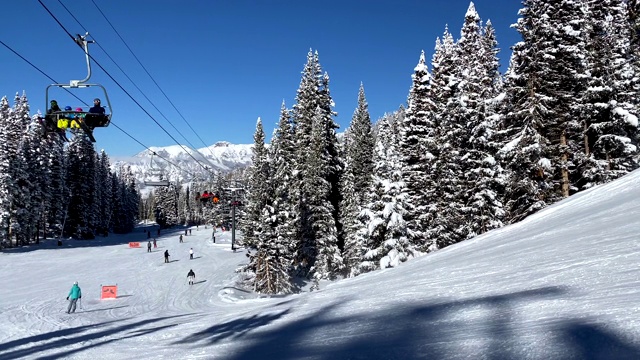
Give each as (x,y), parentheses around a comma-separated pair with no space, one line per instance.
(417,131)
(481,175)
(324,252)
(609,115)
(356,182)
(314,108)
(259,191)
(81,178)
(283,155)
(25,174)
(544,87)
(105,190)
(385,242)
(360,149)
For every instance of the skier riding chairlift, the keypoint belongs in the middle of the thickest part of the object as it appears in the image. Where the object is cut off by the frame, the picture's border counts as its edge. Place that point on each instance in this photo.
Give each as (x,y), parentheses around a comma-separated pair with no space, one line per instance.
(58,121)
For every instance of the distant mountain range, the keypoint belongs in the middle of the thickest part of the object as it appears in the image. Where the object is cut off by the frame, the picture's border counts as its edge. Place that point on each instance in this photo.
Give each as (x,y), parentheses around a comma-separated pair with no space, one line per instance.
(181,165)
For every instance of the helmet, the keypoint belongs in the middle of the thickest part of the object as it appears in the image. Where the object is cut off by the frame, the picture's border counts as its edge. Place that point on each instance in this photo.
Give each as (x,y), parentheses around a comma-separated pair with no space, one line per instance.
(75,283)
(79,109)
(67,108)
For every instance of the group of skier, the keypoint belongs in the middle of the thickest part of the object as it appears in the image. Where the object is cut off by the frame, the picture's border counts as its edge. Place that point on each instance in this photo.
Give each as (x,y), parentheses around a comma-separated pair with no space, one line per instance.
(76,293)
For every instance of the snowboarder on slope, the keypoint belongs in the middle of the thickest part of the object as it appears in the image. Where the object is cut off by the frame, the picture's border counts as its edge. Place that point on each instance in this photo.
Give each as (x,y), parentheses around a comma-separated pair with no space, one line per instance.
(74,294)
(191,276)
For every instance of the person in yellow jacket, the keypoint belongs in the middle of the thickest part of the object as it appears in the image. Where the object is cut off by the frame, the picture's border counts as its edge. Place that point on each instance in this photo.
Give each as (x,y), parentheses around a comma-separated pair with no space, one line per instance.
(70,120)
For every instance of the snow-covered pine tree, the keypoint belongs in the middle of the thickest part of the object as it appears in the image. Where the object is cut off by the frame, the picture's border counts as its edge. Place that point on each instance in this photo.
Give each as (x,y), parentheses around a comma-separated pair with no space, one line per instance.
(125,200)
(130,209)
(418,134)
(283,155)
(42,192)
(384,238)
(609,115)
(633,21)
(104,188)
(259,189)
(350,209)
(335,165)
(543,87)
(442,88)
(270,258)
(81,180)
(459,112)
(360,150)
(26,173)
(314,104)
(357,178)
(326,261)
(58,189)
(482,175)
(302,116)
(167,205)
(8,187)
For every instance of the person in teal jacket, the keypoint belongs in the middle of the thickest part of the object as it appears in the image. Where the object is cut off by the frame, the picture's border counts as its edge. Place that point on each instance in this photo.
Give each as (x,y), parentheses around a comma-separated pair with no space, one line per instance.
(74,294)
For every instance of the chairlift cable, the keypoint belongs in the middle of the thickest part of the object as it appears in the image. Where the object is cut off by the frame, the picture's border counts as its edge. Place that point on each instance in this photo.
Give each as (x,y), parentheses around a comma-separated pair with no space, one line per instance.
(155,82)
(128,94)
(131,80)
(37,68)
(117,127)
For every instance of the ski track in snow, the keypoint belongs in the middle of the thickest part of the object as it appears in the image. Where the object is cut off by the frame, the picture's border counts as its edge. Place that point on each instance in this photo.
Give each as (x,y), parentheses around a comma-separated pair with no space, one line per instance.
(562,284)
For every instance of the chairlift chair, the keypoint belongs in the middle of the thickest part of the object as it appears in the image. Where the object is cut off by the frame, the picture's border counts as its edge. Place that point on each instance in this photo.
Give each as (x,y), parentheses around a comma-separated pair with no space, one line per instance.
(59,121)
(155,176)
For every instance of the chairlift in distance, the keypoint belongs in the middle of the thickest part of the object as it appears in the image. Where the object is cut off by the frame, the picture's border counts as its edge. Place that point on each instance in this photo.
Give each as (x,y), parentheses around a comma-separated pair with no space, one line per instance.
(155,172)
(208,197)
(59,121)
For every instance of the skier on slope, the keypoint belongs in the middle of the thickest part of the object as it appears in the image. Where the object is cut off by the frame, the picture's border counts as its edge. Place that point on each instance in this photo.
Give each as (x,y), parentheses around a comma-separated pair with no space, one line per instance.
(166,256)
(74,294)
(191,276)
(191,254)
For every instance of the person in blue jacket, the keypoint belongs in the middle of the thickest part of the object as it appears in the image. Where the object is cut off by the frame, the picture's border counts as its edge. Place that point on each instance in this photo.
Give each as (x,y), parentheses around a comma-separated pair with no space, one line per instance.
(74,294)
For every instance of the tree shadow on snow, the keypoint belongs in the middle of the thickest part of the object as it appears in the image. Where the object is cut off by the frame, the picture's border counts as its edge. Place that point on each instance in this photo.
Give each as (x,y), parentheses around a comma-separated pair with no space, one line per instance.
(97,335)
(233,329)
(421,331)
(594,342)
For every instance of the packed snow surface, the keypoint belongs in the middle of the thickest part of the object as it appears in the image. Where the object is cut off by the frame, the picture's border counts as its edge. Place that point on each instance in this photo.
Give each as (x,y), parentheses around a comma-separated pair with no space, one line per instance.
(562,284)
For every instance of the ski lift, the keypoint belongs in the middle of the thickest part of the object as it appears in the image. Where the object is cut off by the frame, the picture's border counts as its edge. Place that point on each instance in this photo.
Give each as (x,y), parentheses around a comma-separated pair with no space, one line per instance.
(155,175)
(208,197)
(57,120)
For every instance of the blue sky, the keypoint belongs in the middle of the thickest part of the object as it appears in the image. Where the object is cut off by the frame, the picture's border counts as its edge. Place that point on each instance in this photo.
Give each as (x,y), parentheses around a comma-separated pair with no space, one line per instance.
(223,64)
